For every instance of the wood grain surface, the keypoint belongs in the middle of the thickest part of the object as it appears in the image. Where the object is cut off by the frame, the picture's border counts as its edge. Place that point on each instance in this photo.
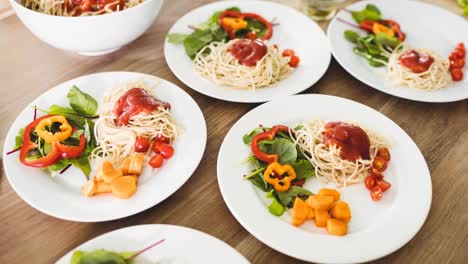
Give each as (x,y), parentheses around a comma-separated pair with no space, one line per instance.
(28,67)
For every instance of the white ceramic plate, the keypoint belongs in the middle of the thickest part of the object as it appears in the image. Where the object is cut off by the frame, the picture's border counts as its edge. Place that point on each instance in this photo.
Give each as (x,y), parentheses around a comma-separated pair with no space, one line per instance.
(60,196)
(425,25)
(295,31)
(182,245)
(376,228)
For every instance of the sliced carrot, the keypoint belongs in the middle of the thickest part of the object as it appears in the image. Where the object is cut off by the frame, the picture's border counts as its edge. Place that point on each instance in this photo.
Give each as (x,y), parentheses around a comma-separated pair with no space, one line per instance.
(319,202)
(300,212)
(135,165)
(89,188)
(125,166)
(311,213)
(336,227)
(103,187)
(321,217)
(330,192)
(341,211)
(124,187)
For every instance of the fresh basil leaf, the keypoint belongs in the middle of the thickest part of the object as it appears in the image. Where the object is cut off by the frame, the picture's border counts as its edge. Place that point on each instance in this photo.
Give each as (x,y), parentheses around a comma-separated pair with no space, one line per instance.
(286,151)
(303,169)
(82,163)
(19,138)
(81,102)
(351,36)
(176,38)
(287,198)
(247,138)
(275,208)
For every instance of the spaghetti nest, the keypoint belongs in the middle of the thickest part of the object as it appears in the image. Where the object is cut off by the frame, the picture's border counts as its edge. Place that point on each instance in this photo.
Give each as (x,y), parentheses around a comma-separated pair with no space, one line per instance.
(329,166)
(58,7)
(435,78)
(118,142)
(216,63)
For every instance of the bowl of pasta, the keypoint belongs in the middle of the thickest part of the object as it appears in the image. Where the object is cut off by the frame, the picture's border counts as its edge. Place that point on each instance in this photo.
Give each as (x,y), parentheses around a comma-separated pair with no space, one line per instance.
(88,27)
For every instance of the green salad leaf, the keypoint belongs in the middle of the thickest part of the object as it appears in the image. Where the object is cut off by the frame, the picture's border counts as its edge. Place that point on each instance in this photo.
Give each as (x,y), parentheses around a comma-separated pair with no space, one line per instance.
(19,138)
(285,149)
(176,38)
(464,5)
(98,256)
(248,137)
(81,102)
(351,36)
(287,198)
(304,169)
(275,207)
(370,12)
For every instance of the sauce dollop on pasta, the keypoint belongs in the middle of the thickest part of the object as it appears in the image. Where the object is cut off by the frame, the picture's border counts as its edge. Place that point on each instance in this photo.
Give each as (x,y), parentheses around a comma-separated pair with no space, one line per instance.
(248,51)
(135,101)
(352,140)
(417,62)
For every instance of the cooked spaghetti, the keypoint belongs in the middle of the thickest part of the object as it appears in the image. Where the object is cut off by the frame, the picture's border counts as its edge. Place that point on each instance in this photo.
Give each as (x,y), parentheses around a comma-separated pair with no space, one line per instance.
(118,142)
(216,63)
(436,77)
(326,158)
(80,7)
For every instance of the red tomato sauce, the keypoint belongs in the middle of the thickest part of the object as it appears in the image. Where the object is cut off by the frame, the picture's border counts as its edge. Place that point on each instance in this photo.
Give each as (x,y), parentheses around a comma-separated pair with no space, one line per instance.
(248,51)
(416,62)
(352,140)
(81,6)
(135,101)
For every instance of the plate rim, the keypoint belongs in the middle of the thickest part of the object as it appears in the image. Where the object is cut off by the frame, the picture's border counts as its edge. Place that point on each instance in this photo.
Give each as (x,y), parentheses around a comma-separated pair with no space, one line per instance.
(275,245)
(49,212)
(245,99)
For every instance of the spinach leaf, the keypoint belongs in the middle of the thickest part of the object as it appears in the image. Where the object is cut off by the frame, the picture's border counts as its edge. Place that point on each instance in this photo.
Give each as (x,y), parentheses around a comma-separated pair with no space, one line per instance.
(351,36)
(19,138)
(81,102)
(287,198)
(196,41)
(82,163)
(59,165)
(89,135)
(176,38)
(75,119)
(247,138)
(275,208)
(260,182)
(286,151)
(304,169)
(370,12)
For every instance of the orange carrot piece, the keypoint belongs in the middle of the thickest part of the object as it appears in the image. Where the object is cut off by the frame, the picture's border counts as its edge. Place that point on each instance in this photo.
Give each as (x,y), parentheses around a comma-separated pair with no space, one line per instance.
(89,188)
(330,192)
(136,164)
(321,217)
(320,202)
(103,187)
(124,187)
(125,166)
(341,211)
(300,212)
(336,227)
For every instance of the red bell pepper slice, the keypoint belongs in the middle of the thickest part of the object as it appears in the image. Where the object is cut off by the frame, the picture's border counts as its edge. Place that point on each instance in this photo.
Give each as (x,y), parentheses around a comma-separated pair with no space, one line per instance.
(268,135)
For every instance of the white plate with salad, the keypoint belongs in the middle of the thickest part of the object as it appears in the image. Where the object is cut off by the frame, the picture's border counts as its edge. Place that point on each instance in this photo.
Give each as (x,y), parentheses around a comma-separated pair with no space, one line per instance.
(104,146)
(247,51)
(154,244)
(324,179)
(408,49)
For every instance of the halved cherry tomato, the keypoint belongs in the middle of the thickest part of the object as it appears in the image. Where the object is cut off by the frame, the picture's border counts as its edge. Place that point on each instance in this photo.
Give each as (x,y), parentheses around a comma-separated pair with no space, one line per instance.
(370,182)
(294,61)
(384,153)
(376,193)
(156,161)
(377,174)
(298,182)
(460,46)
(142,144)
(161,138)
(275,46)
(457,64)
(164,149)
(384,185)
(288,53)
(379,163)
(457,75)
(251,35)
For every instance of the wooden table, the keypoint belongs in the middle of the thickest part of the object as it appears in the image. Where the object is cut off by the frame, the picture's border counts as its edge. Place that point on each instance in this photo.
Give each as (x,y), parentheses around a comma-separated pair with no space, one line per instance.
(28,67)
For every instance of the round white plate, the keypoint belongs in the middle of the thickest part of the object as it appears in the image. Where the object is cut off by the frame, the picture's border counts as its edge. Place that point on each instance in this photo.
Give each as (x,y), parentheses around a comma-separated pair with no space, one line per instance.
(425,25)
(295,31)
(182,245)
(376,228)
(60,196)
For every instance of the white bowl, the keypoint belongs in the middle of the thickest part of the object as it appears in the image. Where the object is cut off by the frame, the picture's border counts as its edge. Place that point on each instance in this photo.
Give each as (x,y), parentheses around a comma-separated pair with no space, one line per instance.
(90,35)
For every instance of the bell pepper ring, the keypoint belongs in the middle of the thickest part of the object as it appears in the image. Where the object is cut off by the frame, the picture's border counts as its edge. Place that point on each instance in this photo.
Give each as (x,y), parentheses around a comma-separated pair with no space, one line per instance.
(48,136)
(58,150)
(280,176)
(379,28)
(268,135)
(232,21)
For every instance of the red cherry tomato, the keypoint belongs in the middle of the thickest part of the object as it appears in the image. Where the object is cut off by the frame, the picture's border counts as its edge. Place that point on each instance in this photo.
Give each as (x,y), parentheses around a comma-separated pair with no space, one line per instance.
(384,185)
(377,174)
(384,153)
(251,35)
(288,53)
(376,193)
(161,138)
(164,149)
(379,163)
(370,182)
(460,46)
(156,161)
(294,61)
(457,64)
(142,144)
(457,75)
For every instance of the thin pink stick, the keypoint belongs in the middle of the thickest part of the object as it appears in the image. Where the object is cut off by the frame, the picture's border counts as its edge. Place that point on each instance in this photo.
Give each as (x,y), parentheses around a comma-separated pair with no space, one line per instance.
(347,23)
(146,248)
(192,27)
(65,169)
(13,151)
(35,113)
